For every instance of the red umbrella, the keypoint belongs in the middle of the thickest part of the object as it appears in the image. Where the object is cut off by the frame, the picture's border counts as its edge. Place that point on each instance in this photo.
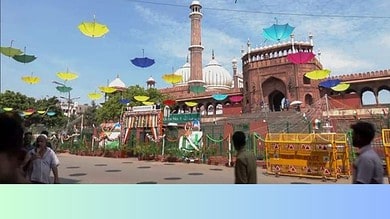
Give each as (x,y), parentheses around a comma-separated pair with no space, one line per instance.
(236,99)
(300,57)
(169,102)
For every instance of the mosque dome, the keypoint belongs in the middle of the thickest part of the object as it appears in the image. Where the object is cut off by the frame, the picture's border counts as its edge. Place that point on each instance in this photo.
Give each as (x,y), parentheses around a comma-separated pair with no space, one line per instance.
(185,72)
(150,80)
(216,76)
(117,83)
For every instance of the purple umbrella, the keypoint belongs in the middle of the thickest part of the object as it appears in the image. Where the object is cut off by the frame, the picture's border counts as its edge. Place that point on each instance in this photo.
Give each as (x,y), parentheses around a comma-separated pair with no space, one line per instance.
(143,62)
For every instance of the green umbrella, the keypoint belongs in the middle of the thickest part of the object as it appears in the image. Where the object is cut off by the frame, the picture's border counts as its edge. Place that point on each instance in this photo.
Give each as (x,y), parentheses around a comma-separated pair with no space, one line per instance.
(197,89)
(63,89)
(10,51)
(24,58)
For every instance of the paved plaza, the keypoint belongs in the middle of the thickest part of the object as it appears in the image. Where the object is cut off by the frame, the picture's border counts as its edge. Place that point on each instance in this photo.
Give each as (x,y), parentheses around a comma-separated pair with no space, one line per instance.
(101,170)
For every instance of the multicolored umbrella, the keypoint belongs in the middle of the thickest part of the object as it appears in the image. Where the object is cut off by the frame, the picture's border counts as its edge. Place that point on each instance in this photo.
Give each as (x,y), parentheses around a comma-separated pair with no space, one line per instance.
(93,29)
(341,87)
(219,97)
(278,32)
(95,96)
(67,76)
(64,89)
(24,58)
(107,89)
(329,83)
(172,78)
(300,57)
(10,51)
(142,62)
(169,102)
(141,98)
(318,74)
(236,99)
(191,104)
(197,89)
(28,112)
(31,79)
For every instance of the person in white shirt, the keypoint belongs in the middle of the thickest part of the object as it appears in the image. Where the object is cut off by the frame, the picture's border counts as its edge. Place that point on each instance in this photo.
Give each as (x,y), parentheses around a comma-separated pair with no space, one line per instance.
(41,161)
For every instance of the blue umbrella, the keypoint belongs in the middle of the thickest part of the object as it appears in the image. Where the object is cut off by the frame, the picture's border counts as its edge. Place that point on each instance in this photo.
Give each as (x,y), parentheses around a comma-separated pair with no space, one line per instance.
(278,32)
(142,62)
(329,83)
(219,97)
(124,101)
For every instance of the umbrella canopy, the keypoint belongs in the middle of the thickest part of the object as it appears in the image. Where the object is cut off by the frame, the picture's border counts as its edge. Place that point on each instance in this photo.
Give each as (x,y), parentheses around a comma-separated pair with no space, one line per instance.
(31,79)
(341,87)
(300,57)
(10,51)
(124,101)
(236,99)
(8,109)
(143,62)
(41,112)
(107,90)
(93,29)
(318,74)
(172,78)
(141,98)
(148,103)
(95,96)
(169,102)
(329,83)
(63,89)
(51,113)
(295,102)
(67,76)
(278,32)
(197,89)
(191,104)
(219,97)
(24,58)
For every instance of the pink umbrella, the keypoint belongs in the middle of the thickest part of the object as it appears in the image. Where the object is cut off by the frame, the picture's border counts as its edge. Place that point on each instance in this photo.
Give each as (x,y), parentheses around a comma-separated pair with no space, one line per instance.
(236,99)
(300,57)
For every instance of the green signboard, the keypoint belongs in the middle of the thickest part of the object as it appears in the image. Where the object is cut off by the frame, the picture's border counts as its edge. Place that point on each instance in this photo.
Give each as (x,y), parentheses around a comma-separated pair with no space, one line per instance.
(182,118)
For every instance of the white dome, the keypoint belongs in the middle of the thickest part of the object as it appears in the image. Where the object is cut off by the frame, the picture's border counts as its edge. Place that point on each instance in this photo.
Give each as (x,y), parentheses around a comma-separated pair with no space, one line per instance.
(185,72)
(216,76)
(117,83)
(151,79)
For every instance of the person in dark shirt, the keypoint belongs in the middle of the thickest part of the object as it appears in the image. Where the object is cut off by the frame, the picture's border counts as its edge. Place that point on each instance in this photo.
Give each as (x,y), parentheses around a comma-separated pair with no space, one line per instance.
(245,168)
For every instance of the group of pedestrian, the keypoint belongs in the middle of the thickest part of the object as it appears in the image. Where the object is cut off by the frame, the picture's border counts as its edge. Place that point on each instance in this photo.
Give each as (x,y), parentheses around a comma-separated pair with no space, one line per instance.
(21,161)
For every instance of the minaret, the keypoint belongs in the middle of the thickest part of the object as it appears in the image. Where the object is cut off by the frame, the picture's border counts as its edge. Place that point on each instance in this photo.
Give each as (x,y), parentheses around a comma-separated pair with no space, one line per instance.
(196,48)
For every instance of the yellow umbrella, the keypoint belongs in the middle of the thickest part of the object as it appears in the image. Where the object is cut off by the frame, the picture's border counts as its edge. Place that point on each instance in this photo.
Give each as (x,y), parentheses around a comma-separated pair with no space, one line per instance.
(318,74)
(67,76)
(172,78)
(95,96)
(31,79)
(148,103)
(191,104)
(8,109)
(341,87)
(141,98)
(107,90)
(41,112)
(93,29)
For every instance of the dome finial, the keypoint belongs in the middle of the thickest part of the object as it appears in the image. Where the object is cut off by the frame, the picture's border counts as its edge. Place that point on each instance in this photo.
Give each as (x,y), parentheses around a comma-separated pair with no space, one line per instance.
(187,60)
(212,54)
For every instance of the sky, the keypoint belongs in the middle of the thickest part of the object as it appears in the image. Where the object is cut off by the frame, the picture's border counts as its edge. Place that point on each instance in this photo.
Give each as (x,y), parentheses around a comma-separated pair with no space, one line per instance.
(352,36)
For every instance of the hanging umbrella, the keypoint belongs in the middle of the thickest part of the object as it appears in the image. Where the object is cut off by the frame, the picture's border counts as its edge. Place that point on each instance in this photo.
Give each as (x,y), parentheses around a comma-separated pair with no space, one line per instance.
(67,76)
(236,99)
(341,87)
(143,62)
(95,96)
(295,102)
(124,101)
(63,89)
(24,58)
(219,97)
(8,109)
(28,112)
(51,113)
(148,103)
(93,29)
(318,74)
(197,89)
(169,102)
(10,51)
(40,112)
(172,78)
(278,32)
(300,57)
(330,83)
(31,79)
(141,98)
(107,90)
(191,104)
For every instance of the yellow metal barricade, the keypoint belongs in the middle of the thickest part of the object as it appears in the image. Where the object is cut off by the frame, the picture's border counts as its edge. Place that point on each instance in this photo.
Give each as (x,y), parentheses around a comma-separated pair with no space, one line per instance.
(314,155)
(386,149)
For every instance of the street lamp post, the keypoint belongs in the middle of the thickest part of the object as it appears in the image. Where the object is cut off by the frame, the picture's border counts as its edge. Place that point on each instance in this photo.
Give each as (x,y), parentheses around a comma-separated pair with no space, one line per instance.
(69,100)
